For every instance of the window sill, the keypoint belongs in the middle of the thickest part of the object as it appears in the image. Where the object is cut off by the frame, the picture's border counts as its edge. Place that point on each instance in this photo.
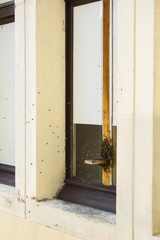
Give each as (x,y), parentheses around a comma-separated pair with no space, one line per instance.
(62,216)
(10,202)
(89,193)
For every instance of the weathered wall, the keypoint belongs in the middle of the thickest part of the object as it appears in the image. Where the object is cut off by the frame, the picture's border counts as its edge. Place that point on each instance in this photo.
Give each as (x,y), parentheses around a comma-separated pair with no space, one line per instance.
(17,228)
(138,211)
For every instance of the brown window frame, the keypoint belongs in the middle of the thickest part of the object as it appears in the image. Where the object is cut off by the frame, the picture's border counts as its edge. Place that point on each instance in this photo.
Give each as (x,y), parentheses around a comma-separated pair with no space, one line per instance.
(7,15)
(87,193)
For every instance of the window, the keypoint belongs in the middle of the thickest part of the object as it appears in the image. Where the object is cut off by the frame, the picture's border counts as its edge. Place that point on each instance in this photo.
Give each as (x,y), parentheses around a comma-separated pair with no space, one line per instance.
(7,94)
(88,108)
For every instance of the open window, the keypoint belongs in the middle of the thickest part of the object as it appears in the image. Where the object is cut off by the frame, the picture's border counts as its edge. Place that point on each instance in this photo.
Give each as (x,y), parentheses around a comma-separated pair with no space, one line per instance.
(7,94)
(90,146)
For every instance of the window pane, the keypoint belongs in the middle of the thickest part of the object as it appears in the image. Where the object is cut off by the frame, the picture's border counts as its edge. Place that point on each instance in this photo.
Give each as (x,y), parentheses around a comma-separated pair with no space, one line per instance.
(7,95)
(87,88)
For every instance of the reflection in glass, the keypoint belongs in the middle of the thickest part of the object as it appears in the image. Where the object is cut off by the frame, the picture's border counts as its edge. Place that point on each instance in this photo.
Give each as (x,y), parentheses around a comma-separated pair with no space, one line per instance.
(87,89)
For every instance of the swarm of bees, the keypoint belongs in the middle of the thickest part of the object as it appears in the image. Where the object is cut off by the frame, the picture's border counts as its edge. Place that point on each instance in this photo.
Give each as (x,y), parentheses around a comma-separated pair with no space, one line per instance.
(107,151)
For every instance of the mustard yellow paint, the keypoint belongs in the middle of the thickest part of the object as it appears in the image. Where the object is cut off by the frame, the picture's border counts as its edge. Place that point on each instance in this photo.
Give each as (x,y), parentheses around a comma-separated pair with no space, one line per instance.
(50,105)
(15,228)
(106,175)
(156,124)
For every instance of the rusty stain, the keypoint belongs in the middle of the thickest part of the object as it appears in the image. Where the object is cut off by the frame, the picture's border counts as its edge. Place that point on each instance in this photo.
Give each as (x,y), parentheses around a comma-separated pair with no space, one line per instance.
(33,198)
(32,104)
(40,172)
(42,160)
(46,143)
(50,125)
(39,92)
(53,132)
(37,205)
(22,200)
(63,26)
(31,163)
(57,136)
(9,201)
(0,150)
(29,211)
(49,109)
(32,119)
(4,118)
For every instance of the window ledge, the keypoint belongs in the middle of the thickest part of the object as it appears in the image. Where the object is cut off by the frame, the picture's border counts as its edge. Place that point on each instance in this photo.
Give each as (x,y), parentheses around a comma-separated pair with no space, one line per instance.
(156,237)
(10,202)
(61,215)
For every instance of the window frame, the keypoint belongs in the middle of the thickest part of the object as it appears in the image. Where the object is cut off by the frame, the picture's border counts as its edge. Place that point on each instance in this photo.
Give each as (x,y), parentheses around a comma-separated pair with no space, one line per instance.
(7,15)
(74,187)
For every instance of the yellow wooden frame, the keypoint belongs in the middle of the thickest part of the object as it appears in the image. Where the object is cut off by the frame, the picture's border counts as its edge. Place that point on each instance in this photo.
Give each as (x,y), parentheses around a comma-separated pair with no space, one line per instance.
(107,175)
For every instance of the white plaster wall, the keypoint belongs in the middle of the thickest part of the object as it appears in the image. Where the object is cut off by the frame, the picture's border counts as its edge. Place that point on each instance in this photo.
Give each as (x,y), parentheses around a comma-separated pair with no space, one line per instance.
(143,120)
(135,117)
(30,98)
(7,94)
(125,118)
(20,98)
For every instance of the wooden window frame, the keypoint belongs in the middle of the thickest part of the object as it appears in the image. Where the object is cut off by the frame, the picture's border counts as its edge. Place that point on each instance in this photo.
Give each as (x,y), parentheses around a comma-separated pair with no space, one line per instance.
(7,15)
(87,193)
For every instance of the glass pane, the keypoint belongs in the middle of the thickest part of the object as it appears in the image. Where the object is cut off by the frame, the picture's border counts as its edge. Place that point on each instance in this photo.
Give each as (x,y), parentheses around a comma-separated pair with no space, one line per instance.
(87,89)
(7,94)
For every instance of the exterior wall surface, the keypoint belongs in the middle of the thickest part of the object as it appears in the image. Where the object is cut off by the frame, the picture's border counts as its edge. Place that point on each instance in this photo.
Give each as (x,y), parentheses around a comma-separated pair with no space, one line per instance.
(17,228)
(156,120)
(40,127)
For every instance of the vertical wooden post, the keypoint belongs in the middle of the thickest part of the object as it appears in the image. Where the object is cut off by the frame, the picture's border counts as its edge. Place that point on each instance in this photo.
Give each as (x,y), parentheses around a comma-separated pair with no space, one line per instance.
(107,176)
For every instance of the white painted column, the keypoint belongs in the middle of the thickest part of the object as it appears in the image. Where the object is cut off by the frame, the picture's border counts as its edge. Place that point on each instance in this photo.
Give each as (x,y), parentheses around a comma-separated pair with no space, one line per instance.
(31,93)
(143,125)
(125,118)
(20,88)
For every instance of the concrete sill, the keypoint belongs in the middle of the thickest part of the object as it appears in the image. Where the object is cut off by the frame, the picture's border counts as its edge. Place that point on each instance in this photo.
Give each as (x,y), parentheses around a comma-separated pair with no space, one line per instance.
(88,223)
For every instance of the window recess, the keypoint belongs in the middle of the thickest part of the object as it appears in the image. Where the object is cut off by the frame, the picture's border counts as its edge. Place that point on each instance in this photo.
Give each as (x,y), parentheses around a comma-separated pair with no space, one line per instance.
(7,94)
(88,172)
